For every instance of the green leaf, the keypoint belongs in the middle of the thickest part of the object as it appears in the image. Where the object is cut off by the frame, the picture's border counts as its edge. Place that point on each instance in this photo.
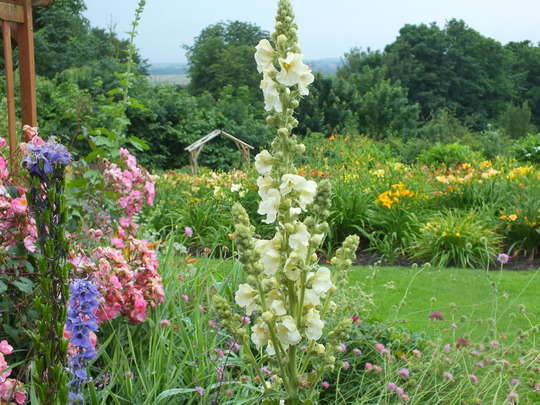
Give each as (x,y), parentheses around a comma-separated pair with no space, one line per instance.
(3,287)
(13,191)
(139,144)
(17,250)
(24,284)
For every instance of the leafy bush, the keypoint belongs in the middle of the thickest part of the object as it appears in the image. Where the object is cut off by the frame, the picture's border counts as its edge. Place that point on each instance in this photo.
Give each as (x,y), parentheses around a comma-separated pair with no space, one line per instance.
(448,155)
(527,149)
(457,238)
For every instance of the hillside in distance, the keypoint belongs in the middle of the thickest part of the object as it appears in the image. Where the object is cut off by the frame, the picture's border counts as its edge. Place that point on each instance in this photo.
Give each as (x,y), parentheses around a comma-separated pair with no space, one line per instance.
(326,66)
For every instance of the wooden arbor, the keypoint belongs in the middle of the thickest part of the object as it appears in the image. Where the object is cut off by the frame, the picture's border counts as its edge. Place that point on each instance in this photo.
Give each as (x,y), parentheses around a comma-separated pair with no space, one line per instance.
(16,20)
(196,147)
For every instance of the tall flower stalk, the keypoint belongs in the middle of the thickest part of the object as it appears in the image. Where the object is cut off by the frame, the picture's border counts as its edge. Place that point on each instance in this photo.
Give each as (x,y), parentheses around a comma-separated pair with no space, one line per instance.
(46,163)
(286,289)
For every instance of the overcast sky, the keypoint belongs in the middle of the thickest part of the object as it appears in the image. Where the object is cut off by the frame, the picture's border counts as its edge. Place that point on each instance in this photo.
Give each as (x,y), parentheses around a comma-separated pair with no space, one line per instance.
(327,28)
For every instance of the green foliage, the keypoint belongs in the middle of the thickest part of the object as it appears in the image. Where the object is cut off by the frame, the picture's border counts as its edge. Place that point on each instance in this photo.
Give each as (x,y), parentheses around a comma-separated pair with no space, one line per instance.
(223,55)
(448,155)
(457,238)
(528,149)
(516,121)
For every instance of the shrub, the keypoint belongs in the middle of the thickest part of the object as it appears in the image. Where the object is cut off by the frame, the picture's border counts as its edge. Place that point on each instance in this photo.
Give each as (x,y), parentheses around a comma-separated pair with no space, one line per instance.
(448,155)
(528,149)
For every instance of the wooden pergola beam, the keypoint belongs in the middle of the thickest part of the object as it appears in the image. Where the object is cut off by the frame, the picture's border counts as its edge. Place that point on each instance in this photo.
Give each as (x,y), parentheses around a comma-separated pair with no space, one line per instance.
(12,13)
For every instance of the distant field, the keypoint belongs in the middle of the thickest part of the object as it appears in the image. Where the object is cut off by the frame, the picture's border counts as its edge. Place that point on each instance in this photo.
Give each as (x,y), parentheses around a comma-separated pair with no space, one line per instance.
(180,79)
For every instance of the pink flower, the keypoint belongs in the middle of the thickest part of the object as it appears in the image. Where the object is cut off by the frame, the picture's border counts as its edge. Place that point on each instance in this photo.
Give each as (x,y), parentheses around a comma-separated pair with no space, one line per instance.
(404,373)
(378,369)
(417,353)
(200,390)
(189,231)
(454,326)
(436,315)
(118,243)
(513,397)
(447,375)
(405,398)
(19,205)
(325,385)
(369,366)
(502,258)
(343,347)
(514,382)
(185,297)
(357,351)
(345,365)
(473,378)
(462,342)
(164,323)
(5,347)
(391,387)
(124,222)
(115,283)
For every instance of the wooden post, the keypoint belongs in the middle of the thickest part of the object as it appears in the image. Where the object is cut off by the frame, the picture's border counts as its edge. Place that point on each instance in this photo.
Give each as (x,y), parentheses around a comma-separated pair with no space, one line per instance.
(27,69)
(10,92)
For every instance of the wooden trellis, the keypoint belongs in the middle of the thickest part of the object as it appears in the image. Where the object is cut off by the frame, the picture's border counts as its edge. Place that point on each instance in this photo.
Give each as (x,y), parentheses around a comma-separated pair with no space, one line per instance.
(195,148)
(16,21)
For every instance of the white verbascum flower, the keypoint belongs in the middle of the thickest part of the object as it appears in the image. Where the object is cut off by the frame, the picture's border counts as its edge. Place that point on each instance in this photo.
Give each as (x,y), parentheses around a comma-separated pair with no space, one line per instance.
(245,297)
(271,95)
(270,254)
(321,281)
(291,268)
(299,241)
(264,56)
(306,188)
(311,298)
(287,332)
(264,162)
(269,204)
(314,324)
(305,78)
(278,307)
(264,183)
(261,334)
(292,69)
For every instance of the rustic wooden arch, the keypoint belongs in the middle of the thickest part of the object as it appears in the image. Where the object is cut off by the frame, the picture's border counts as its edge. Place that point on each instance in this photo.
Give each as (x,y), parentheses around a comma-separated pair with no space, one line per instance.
(195,148)
(16,20)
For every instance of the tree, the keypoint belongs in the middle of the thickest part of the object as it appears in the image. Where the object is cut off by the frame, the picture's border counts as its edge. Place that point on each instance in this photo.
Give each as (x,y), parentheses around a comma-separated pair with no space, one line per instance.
(223,54)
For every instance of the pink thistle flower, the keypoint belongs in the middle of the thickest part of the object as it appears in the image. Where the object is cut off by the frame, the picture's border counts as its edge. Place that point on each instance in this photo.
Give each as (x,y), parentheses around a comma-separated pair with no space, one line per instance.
(343,347)
(391,387)
(462,342)
(405,398)
(369,366)
(357,351)
(447,375)
(189,231)
(502,258)
(417,353)
(514,382)
(325,385)
(479,364)
(512,398)
(185,297)
(164,323)
(473,378)
(436,315)
(404,373)
(454,326)
(494,344)
(378,369)
(400,391)
(345,365)
(447,348)
(200,390)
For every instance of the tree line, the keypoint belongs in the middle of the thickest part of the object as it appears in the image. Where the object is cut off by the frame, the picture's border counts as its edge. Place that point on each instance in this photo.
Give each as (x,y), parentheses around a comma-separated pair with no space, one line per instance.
(432,84)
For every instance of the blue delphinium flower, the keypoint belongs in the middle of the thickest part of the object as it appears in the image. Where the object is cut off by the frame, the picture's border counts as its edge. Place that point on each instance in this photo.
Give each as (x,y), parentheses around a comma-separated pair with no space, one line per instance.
(42,159)
(81,321)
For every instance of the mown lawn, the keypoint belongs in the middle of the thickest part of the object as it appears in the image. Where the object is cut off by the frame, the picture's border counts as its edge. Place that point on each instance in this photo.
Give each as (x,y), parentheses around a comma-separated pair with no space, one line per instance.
(464,297)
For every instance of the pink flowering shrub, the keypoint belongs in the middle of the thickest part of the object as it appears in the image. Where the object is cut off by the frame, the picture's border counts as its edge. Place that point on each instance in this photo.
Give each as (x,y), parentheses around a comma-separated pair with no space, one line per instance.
(123,267)
(16,228)
(127,279)
(10,388)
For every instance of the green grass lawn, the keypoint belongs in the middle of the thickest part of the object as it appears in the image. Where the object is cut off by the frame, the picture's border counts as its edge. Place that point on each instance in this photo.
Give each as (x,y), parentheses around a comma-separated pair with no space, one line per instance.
(409,296)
